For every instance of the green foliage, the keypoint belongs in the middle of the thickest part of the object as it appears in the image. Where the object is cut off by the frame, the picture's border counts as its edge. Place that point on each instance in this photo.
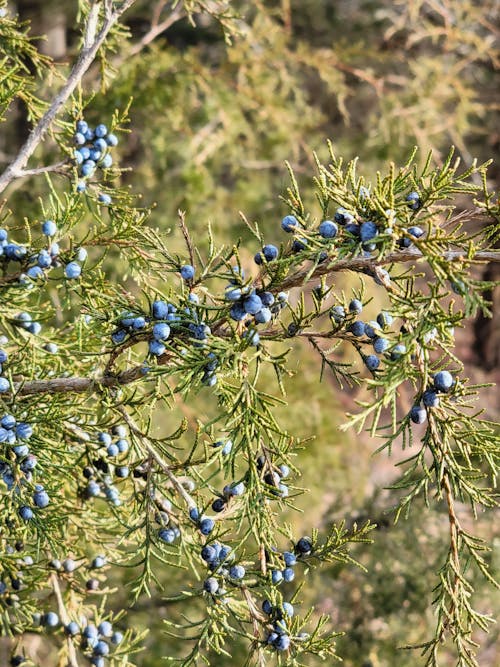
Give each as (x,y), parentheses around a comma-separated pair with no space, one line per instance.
(214,146)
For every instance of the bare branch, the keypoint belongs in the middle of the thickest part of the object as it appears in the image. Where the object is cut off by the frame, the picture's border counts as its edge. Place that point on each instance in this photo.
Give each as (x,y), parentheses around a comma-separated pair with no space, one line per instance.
(370,264)
(92,43)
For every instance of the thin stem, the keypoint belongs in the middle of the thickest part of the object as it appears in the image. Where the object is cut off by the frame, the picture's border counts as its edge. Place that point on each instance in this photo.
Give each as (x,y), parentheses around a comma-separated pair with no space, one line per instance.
(63,613)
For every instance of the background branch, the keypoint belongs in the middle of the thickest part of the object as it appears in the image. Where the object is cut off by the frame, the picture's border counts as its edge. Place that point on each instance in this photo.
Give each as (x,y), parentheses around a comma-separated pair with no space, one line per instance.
(92,43)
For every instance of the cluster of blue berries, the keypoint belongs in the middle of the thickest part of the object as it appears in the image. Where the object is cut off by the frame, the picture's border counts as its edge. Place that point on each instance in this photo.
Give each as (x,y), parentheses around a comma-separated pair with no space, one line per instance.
(374,330)
(230,491)
(93,151)
(205,524)
(15,435)
(364,232)
(4,383)
(274,477)
(286,574)
(168,531)
(442,384)
(279,636)
(220,560)
(94,640)
(99,473)
(36,264)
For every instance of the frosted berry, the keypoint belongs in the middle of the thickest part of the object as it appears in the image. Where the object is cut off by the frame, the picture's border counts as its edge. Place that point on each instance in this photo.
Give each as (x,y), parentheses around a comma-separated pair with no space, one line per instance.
(289,223)
(187,272)
(443,381)
(418,415)
(73,270)
(328,229)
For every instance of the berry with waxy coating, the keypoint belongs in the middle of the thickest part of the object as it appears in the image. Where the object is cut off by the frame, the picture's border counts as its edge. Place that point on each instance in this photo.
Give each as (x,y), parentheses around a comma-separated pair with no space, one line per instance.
(430,398)
(443,381)
(289,223)
(418,415)
(187,272)
(73,270)
(49,228)
(328,229)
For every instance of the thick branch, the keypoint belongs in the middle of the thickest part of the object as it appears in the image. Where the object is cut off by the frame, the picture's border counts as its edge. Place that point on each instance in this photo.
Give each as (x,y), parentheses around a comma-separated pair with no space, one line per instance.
(77,384)
(369,264)
(92,43)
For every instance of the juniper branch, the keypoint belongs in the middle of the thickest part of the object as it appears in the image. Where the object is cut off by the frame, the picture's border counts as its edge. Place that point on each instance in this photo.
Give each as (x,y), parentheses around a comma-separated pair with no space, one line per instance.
(92,44)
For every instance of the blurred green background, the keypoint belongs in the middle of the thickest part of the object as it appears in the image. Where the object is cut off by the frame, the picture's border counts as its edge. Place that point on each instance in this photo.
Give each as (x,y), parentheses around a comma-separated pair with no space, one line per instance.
(211,125)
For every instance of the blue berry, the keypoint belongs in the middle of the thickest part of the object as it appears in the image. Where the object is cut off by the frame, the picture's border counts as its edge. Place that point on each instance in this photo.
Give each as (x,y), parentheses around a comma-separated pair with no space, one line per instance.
(252,304)
(116,637)
(72,628)
(98,562)
(101,648)
(101,130)
(418,415)
(51,619)
(380,345)
(82,126)
(263,316)
(238,312)
(160,310)
(118,336)
(337,313)
(299,244)
(385,319)
(112,139)
(44,260)
(372,362)
(107,161)
(161,331)
(270,252)
(105,629)
(414,200)
(211,585)
(282,643)
(73,270)
(139,323)
(417,232)
(206,526)
(353,228)
(87,168)
(104,199)
(328,229)
(24,431)
(237,572)
(166,535)
(218,505)
(267,607)
(288,574)
(90,632)
(276,576)
(343,217)
(267,299)
(26,513)
(289,558)
(8,421)
(49,228)
(304,545)
(368,231)
(112,450)
(187,272)
(289,223)
(355,306)
(79,139)
(41,499)
(233,293)
(430,398)
(4,385)
(35,272)
(398,351)
(357,328)
(443,381)
(288,609)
